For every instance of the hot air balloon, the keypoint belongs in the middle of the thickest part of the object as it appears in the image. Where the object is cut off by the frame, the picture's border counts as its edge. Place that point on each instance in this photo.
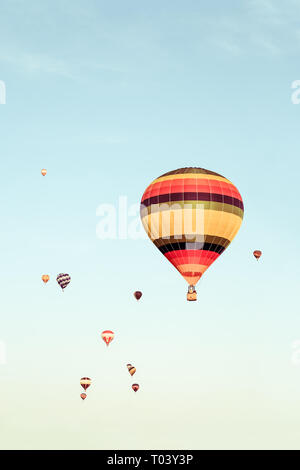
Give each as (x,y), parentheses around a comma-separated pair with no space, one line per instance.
(257,254)
(63,280)
(135,387)
(45,278)
(44,172)
(131,369)
(85,382)
(83,396)
(191,215)
(107,336)
(138,294)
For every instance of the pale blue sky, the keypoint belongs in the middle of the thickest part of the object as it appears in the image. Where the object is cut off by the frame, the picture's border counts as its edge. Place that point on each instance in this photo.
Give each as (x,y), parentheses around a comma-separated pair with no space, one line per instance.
(108,96)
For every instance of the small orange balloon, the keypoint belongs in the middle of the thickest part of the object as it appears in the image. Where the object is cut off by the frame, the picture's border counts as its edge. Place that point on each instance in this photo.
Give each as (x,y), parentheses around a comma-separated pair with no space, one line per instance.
(44,172)
(83,396)
(45,278)
(131,369)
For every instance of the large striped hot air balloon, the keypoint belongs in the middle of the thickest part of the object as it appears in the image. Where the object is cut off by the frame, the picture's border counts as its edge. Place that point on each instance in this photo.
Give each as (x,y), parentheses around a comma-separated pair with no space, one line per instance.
(191,215)
(85,382)
(63,280)
(107,336)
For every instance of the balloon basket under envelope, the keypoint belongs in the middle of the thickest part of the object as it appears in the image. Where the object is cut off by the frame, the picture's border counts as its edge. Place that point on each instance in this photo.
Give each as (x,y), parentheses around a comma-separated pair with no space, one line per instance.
(191,296)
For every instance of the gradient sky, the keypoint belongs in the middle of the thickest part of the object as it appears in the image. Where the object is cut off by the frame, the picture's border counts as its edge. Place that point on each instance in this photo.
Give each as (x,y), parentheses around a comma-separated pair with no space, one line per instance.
(108,96)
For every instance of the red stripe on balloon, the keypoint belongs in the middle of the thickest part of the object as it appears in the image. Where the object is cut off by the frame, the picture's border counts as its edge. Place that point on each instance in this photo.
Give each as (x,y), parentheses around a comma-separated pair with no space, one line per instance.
(191,186)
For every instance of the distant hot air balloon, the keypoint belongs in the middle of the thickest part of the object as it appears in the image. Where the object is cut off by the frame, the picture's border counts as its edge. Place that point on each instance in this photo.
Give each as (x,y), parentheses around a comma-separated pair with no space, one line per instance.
(257,254)
(45,278)
(107,336)
(131,369)
(63,280)
(44,172)
(138,294)
(135,387)
(85,382)
(83,396)
(191,215)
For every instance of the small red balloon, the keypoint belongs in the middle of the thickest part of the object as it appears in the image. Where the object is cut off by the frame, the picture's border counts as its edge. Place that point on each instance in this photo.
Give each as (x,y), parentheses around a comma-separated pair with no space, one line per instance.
(138,294)
(257,254)
(107,336)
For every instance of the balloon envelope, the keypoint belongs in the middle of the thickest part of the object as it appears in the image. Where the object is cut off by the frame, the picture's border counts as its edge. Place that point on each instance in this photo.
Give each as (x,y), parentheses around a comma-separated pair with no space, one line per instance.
(131,369)
(83,396)
(63,280)
(85,382)
(44,172)
(107,336)
(257,254)
(191,215)
(45,278)
(135,387)
(138,294)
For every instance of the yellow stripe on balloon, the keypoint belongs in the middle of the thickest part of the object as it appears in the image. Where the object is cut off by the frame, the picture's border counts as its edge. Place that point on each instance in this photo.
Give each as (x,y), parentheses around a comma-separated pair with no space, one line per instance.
(208,222)
(204,205)
(182,176)
(192,267)
(172,223)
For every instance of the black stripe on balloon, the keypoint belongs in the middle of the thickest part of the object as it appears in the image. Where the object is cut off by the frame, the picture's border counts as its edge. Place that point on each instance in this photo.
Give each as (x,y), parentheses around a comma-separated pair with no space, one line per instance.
(191,238)
(197,246)
(173,197)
